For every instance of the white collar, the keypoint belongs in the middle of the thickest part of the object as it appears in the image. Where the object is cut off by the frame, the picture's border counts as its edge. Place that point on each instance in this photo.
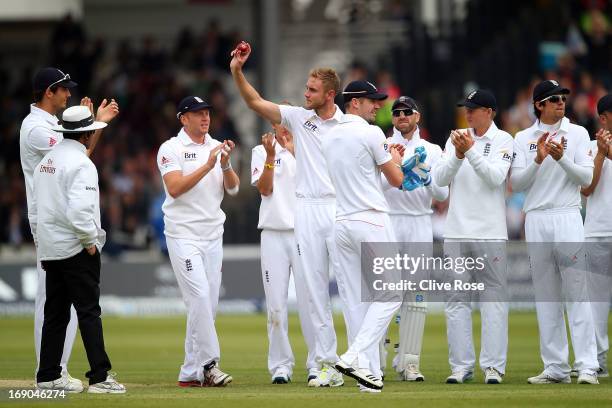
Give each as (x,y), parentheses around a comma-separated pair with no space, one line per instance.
(186,140)
(73,144)
(51,119)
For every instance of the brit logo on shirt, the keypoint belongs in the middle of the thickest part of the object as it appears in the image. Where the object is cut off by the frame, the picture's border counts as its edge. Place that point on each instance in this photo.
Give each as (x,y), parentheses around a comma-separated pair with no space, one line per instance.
(487,150)
(190,156)
(310,126)
(532,145)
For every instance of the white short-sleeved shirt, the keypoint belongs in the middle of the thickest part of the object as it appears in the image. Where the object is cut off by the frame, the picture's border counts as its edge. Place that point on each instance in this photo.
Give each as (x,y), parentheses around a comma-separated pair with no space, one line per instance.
(418,201)
(195,214)
(598,221)
(353,150)
(276,210)
(477,210)
(552,188)
(309,131)
(35,140)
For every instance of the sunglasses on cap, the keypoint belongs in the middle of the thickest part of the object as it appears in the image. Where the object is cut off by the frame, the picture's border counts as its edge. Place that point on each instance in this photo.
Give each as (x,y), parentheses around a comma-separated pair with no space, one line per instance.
(407,112)
(65,78)
(555,98)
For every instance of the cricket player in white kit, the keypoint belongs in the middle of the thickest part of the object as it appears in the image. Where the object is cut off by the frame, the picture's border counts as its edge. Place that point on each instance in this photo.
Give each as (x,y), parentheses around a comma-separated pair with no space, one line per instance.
(410,213)
(475,164)
(356,153)
(36,138)
(551,163)
(315,205)
(273,173)
(598,232)
(196,170)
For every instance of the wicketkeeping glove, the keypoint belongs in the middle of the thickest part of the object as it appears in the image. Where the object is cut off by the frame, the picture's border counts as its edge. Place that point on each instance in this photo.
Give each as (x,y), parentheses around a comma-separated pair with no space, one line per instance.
(416,172)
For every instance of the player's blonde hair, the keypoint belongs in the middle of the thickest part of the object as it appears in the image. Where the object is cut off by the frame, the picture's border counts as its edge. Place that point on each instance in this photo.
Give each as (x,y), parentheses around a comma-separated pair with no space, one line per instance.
(329,77)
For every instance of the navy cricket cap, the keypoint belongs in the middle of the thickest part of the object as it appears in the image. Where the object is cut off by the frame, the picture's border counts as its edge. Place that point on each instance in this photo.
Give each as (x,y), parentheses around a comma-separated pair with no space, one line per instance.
(51,76)
(604,104)
(405,102)
(191,104)
(479,98)
(547,88)
(362,89)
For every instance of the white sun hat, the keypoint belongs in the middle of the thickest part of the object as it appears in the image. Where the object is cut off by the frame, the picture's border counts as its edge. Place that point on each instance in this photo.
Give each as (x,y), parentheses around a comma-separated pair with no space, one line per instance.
(78,119)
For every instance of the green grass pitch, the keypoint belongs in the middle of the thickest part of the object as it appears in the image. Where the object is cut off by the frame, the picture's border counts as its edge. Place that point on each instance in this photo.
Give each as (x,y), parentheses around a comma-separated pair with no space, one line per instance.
(147,353)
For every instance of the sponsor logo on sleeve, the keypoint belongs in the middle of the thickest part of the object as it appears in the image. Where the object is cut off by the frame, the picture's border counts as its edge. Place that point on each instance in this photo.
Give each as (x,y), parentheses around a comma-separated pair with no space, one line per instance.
(52,142)
(165,162)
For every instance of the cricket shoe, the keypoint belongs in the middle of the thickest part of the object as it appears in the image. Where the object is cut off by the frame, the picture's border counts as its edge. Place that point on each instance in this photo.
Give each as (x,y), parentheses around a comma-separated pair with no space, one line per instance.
(64,383)
(281,377)
(362,375)
(492,376)
(213,377)
(368,390)
(585,378)
(327,377)
(544,378)
(188,384)
(108,386)
(459,377)
(313,373)
(412,373)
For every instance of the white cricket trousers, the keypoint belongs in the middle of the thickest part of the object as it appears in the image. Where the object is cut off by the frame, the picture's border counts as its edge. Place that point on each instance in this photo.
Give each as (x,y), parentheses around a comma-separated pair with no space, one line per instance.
(493,304)
(316,260)
(278,255)
(548,230)
(366,322)
(412,228)
(599,266)
(197,266)
(39,318)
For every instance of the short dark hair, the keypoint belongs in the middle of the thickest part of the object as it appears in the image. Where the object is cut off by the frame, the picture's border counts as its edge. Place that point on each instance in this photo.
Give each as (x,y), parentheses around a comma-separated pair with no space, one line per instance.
(536,111)
(38,95)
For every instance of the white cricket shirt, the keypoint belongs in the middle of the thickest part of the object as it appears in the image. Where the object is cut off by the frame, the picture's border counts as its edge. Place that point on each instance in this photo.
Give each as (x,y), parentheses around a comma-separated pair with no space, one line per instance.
(276,210)
(195,214)
(598,220)
(35,139)
(66,205)
(416,202)
(551,187)
(353,150)
(309,131)
(477,207)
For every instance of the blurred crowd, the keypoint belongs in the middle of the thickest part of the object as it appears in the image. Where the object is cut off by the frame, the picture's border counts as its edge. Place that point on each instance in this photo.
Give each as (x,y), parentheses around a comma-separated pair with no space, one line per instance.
(148,80)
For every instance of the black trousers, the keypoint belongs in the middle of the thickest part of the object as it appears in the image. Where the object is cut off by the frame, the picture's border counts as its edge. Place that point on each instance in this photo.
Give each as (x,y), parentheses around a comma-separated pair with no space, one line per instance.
(73,281)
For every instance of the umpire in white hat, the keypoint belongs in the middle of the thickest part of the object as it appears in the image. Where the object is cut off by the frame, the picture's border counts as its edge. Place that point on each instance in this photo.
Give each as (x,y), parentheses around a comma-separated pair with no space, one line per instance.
(66,224)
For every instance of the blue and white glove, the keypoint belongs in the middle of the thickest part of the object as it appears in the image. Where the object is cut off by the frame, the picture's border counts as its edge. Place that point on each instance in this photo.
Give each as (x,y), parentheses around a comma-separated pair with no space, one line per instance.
(416,172)
(424,172)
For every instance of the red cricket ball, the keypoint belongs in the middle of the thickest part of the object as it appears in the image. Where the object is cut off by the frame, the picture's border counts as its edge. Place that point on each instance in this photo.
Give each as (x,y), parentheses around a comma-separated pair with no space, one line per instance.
(242,48)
